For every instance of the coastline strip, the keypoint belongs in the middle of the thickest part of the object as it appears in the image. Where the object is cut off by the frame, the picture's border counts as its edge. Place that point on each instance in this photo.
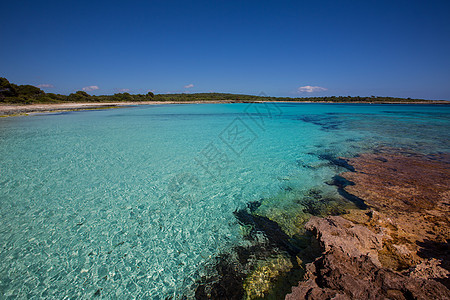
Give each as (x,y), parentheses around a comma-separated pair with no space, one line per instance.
(20,109)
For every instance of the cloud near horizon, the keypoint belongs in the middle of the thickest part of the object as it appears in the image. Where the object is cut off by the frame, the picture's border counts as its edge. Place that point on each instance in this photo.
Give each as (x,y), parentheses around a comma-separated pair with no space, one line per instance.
(90,88)
(45,85)
(311,89)
(189,86)
(124,90)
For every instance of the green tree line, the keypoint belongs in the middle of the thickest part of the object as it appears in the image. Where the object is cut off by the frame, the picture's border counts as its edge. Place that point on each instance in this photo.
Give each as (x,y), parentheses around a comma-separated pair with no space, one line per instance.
(28,94)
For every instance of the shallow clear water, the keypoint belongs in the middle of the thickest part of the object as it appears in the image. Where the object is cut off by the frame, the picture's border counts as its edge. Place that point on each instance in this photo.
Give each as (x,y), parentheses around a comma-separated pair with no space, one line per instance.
(135,202)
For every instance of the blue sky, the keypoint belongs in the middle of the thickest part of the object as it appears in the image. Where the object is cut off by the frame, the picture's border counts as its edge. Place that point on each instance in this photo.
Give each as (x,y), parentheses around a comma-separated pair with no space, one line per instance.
(281,48)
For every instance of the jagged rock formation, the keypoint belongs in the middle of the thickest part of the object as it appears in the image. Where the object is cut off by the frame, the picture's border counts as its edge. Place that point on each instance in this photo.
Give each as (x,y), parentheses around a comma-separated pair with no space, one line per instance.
(350,269)
(398,248)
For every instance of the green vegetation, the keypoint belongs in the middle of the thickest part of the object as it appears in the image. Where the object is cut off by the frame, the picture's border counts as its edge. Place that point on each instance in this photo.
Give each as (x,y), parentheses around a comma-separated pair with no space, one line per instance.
(28,94)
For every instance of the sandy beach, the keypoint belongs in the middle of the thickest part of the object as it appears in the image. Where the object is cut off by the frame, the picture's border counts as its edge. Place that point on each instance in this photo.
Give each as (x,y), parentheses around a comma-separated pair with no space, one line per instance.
(11,109)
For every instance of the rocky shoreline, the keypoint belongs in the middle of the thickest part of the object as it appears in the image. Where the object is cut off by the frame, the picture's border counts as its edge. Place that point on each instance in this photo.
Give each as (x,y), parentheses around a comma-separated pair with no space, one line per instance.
(387,238)
(396,248)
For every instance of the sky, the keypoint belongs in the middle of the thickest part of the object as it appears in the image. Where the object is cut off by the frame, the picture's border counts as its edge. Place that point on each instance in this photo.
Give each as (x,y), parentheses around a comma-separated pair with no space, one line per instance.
(279,48)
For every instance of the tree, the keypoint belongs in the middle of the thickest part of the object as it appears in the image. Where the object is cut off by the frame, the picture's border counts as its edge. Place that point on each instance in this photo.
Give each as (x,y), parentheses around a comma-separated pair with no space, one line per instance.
(6,89)
(79,96)
(28,90)
(82,94)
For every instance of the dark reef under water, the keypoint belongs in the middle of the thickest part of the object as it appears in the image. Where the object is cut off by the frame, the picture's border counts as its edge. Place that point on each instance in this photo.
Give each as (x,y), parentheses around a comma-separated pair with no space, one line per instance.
(230,274)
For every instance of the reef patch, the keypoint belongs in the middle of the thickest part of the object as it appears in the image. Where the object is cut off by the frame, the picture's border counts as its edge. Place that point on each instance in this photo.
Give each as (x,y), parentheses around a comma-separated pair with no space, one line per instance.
(276,246)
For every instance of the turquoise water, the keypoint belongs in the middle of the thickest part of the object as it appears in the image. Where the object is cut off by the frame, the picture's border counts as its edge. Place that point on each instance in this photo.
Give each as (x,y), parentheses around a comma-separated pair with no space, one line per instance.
(136,202)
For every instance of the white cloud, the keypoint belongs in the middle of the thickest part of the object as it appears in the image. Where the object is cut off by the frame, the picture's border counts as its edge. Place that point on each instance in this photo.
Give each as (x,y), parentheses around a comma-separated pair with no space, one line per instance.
(189,86)
(45,85)
(90,88)
(124,90)
(311,89)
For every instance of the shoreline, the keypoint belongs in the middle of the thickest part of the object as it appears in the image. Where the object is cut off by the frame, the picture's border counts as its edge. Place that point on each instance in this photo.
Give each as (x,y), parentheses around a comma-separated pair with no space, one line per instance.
(20,109)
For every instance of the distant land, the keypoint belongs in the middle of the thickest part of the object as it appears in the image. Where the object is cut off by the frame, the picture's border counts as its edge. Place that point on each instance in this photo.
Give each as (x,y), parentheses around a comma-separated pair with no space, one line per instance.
(11,93)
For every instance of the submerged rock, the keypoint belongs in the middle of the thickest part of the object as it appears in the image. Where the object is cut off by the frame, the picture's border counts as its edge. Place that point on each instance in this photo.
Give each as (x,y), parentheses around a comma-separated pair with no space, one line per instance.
(262,280)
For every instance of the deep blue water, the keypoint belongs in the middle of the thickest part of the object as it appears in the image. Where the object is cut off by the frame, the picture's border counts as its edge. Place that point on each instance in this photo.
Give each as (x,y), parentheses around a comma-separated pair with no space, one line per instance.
(136,202)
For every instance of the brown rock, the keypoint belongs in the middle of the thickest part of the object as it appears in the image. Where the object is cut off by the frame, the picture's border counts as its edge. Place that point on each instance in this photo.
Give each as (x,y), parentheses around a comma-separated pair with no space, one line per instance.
(354,275)
(410,199)
(397,249)
(391,181)
(429,269)
(353,239)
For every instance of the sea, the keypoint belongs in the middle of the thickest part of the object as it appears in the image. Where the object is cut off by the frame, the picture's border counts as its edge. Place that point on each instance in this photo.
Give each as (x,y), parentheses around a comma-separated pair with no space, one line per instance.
(140,202)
